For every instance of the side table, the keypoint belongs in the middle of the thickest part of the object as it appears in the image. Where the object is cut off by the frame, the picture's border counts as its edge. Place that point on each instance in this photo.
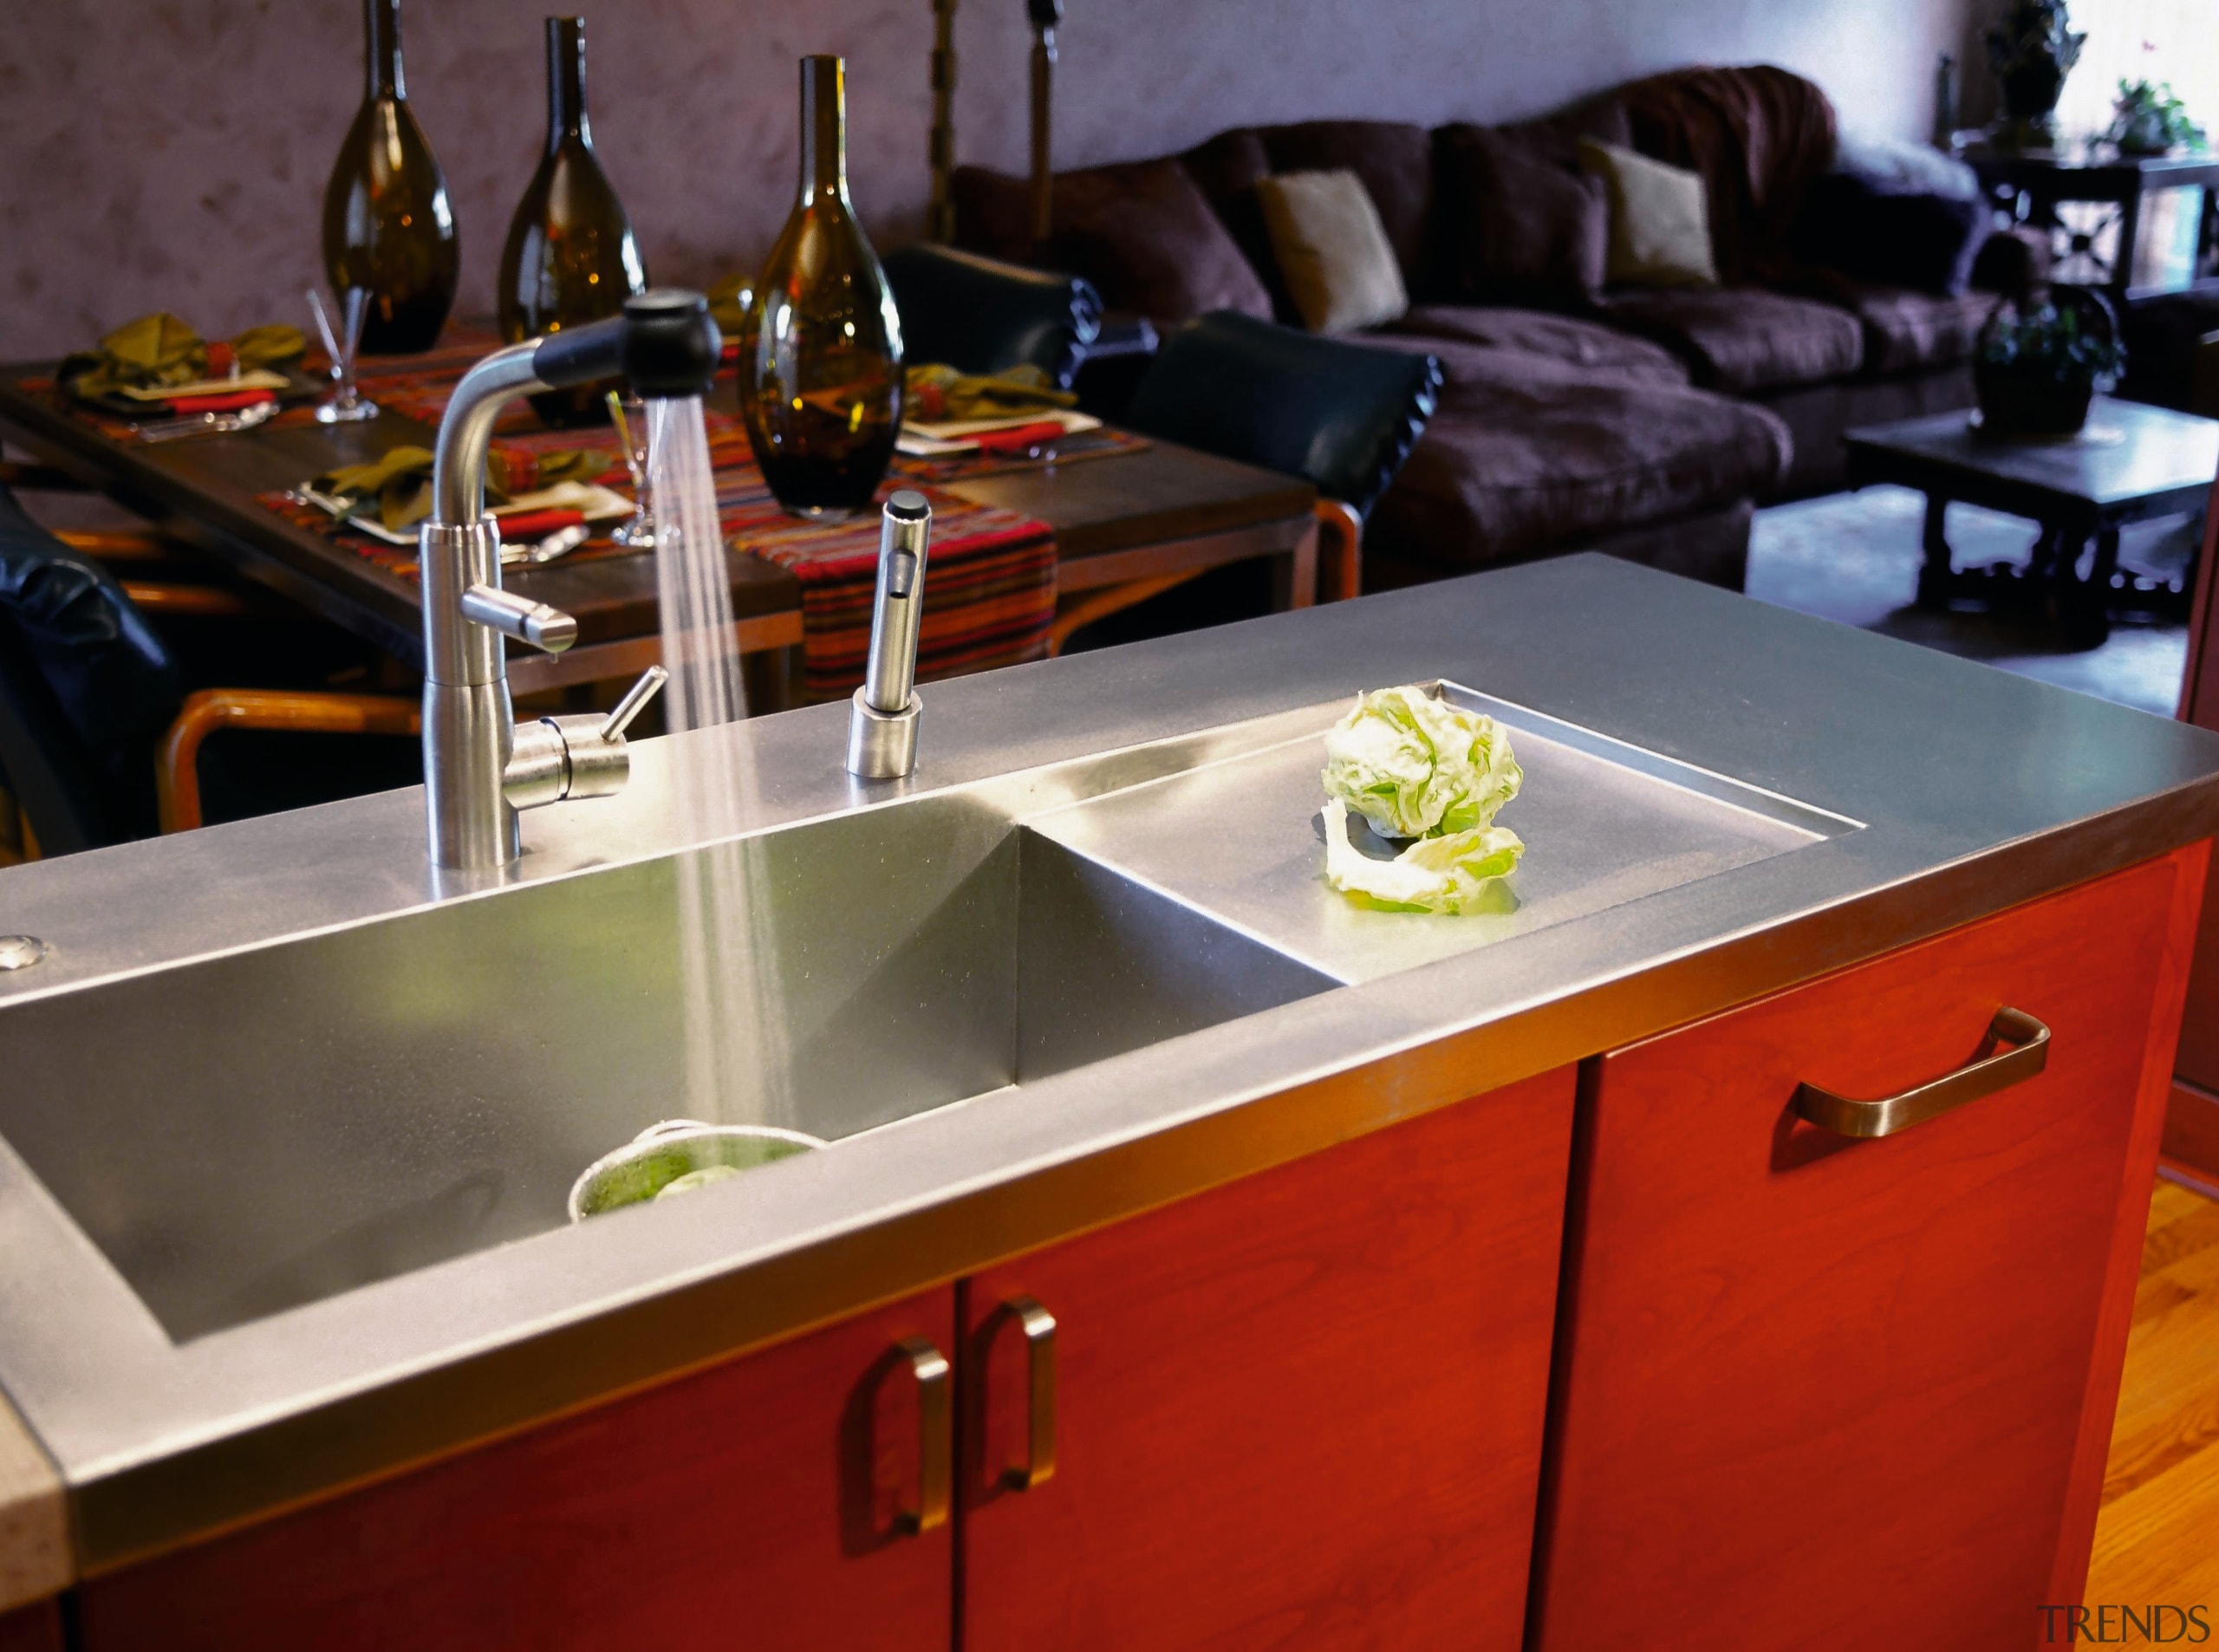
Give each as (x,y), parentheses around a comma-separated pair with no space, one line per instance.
(2132,463)
(2038,182)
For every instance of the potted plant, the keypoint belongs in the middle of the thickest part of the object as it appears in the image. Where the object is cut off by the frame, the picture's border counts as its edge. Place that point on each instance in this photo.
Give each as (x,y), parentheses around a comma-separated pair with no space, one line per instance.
(2032,50)
(2148,119)
(2036,371)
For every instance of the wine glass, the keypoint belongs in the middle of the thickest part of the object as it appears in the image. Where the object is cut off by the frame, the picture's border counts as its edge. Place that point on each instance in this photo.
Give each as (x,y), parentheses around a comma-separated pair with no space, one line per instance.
(629,415)
(346,405)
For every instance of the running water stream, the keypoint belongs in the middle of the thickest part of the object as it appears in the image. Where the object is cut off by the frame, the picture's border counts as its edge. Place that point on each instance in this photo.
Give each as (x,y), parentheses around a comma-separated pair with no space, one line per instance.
(734,1033)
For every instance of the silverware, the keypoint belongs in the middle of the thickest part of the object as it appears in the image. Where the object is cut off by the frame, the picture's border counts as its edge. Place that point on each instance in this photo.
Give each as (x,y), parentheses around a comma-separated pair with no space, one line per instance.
(561,543)
(206,424)
(349,513)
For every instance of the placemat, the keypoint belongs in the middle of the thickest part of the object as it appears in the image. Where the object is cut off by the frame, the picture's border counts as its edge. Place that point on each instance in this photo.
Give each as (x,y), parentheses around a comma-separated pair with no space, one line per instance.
(990,585)
(990,595)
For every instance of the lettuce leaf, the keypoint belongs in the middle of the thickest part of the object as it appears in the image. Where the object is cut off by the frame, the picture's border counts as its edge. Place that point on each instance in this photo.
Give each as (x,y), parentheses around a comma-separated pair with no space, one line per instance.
(1451,873)
(1414,765)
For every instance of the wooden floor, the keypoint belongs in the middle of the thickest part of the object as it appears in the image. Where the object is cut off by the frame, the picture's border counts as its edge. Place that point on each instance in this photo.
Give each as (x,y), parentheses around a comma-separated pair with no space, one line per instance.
(2158,1538)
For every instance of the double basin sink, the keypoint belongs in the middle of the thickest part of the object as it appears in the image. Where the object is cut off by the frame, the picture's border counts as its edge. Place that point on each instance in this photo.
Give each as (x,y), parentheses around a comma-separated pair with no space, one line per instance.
(259,1128)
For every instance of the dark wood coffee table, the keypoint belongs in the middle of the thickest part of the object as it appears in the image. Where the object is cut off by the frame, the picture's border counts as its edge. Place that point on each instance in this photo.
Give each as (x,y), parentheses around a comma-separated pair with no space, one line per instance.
(2132,463)
(1117,518)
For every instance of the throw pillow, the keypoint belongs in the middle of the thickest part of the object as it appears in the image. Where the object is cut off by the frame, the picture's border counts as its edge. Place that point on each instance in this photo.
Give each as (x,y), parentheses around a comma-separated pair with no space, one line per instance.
(1892,237)
(1333,250)
(1524,230)
(1660,219)
(1146,238)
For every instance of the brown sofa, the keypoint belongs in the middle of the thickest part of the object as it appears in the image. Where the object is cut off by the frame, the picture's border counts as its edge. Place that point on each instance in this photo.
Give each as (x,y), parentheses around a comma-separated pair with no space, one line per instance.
(1573,416)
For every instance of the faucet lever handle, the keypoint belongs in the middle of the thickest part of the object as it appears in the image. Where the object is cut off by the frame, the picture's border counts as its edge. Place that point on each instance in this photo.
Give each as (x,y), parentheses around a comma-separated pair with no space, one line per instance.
(543,628)
(634,701)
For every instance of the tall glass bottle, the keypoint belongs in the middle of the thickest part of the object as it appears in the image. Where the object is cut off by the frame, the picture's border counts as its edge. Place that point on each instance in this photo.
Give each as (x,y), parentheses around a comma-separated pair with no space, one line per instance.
(821,358)
(570,257)
(386,224)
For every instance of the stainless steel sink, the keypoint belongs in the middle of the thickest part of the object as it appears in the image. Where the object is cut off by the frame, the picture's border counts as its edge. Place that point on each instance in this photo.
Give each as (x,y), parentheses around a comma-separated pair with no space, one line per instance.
(254,1131)
(262,1128)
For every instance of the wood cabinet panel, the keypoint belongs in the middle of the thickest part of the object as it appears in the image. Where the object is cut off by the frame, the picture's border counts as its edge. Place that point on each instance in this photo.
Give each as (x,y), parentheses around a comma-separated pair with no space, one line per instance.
(1301,1410)
(35,1627)
(2192,1138)
(752,1503)
(1834,1393)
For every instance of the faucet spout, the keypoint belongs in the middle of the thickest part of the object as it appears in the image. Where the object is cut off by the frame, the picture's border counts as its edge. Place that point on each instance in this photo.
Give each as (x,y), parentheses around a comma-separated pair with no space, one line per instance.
(480,767)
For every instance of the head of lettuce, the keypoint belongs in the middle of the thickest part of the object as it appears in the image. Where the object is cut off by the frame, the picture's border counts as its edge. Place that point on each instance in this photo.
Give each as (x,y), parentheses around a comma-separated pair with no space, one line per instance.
(1419,768)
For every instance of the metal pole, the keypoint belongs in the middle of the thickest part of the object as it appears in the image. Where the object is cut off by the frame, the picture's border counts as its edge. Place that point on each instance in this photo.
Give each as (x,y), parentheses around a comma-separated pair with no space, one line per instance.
(940,223)
(1045,16)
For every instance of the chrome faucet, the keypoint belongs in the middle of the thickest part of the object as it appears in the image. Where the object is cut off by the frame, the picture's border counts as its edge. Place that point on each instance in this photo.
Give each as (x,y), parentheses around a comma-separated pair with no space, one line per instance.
(882,722)
(479,767)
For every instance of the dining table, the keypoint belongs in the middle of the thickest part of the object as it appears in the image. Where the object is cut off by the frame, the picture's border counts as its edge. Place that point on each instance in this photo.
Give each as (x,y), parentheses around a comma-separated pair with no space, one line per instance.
(1127,516)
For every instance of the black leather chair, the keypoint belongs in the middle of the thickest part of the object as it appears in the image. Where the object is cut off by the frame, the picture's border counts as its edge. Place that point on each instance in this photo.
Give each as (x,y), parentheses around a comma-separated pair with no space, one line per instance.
(979,315)
(1342,416)
(99,742)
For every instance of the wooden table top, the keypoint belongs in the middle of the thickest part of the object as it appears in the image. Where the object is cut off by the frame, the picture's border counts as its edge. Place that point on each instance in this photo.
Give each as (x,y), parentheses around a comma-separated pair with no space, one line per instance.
(2129,455)
(203,489)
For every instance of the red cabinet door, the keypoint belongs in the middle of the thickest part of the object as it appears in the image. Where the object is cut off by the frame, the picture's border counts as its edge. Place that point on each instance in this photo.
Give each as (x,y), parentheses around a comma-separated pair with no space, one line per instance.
(1826,1393)
(757,1504)
(1301,1410)
(2192,1126)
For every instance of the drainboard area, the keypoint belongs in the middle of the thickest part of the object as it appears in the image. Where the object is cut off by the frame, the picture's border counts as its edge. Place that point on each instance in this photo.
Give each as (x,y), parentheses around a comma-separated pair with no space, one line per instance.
(1604,824)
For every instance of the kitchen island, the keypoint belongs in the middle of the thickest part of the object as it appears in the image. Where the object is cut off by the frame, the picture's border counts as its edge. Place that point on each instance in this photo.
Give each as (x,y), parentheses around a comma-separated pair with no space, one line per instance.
(1198,1259)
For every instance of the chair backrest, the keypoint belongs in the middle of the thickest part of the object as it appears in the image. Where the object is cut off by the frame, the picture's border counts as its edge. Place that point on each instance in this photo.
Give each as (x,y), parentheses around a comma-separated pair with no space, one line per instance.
(979,315)
(86,687)
(1344,416)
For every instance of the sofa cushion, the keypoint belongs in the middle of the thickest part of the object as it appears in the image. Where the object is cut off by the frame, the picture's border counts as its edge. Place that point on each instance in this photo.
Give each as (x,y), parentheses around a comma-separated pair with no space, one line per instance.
(1518,226)
(1142,232)
(1526,456)
(1906,330)
(1330,248)
(1567,340)
(1745,338)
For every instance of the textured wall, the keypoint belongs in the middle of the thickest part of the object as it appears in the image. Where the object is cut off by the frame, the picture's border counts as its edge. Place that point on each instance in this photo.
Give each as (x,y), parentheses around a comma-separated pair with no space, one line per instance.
(171,154)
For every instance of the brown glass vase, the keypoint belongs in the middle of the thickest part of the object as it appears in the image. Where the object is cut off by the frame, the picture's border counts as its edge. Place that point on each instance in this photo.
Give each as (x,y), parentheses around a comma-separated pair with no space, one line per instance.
(821,356)
(387,228)
(570,257)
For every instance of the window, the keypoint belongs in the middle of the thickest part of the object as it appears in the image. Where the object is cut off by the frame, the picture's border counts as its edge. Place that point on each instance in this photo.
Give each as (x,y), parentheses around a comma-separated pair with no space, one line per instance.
(2142,40)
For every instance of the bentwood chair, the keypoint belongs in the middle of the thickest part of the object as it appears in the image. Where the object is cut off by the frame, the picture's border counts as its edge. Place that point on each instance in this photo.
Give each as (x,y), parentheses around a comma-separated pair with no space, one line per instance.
(100,741)
(1340,415)
(979,315)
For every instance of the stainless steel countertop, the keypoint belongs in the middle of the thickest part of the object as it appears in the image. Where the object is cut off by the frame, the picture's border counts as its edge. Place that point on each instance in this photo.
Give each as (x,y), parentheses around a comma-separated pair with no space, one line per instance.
(1975,789)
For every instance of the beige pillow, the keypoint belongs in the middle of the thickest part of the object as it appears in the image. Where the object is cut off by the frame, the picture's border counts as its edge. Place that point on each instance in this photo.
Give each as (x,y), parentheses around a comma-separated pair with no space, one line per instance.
(1660,219)
(1332,251)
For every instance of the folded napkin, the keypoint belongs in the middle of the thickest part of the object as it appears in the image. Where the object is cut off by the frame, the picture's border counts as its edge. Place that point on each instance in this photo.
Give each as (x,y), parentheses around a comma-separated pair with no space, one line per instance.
(938,393)
(225,401)
(160,349)
(401,481)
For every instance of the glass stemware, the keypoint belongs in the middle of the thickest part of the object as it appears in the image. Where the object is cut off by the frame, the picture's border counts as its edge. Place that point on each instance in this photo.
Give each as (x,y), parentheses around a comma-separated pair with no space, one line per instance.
(628,414)
(346,405)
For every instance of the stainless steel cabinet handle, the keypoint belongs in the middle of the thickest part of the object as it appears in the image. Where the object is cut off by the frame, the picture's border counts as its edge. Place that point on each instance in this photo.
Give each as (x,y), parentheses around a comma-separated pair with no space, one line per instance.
(1040,1328)
(1988,1072)
(935,1438)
